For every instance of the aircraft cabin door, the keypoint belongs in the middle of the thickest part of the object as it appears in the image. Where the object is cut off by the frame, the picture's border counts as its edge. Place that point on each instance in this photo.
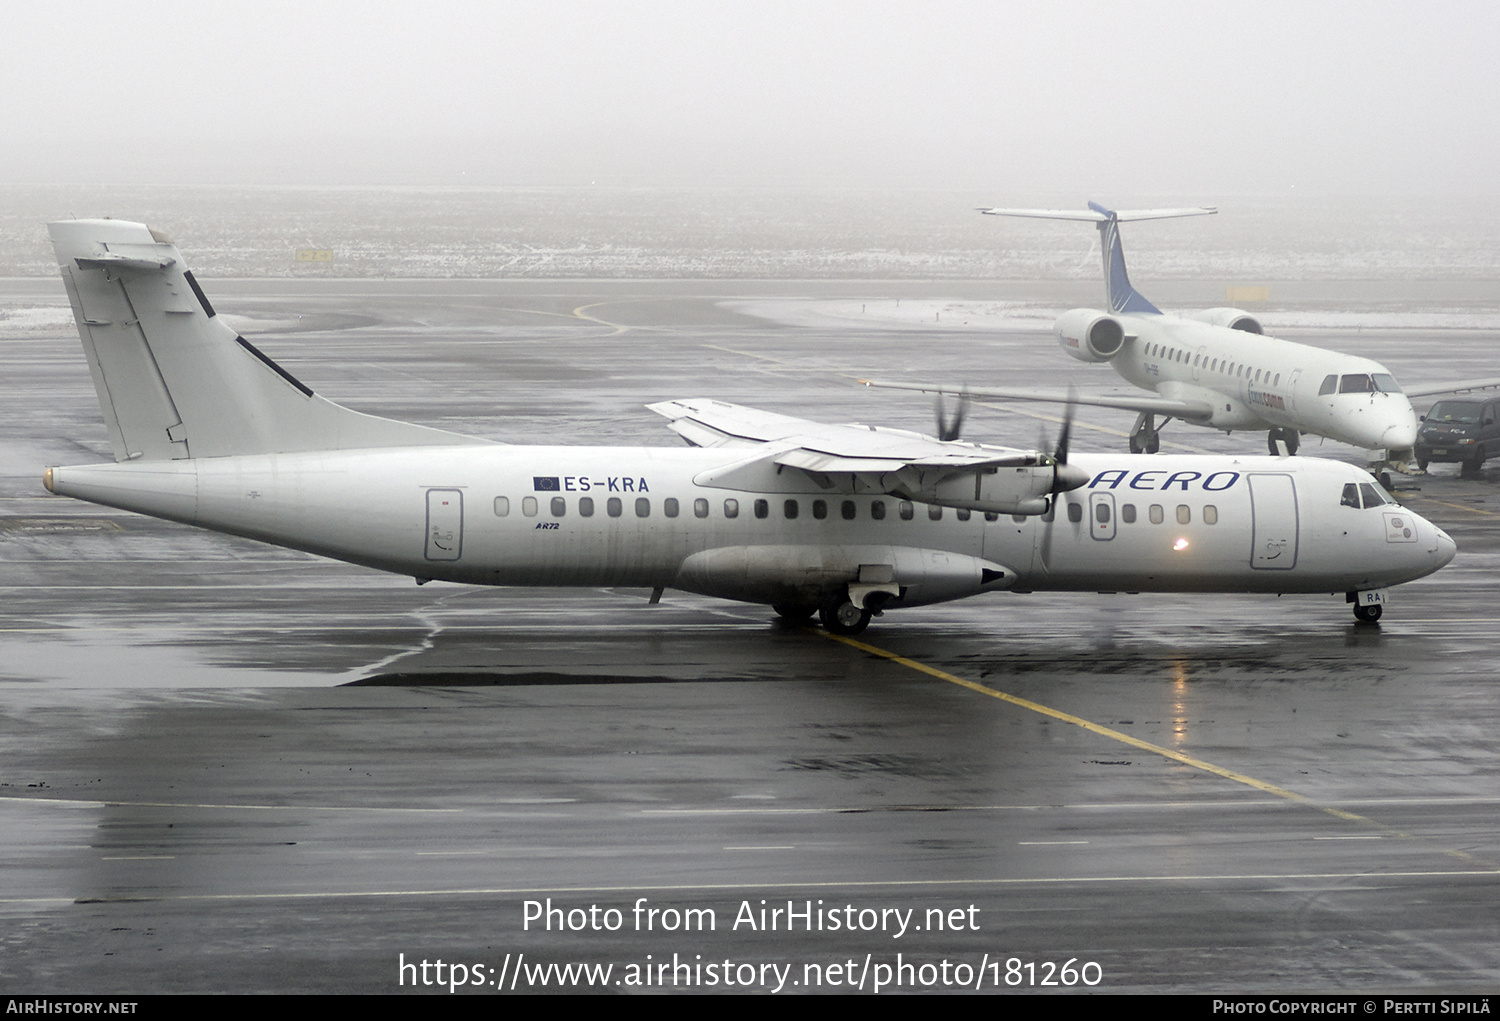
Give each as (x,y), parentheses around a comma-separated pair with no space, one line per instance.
(1273,512)
(445,524)
(1102,516)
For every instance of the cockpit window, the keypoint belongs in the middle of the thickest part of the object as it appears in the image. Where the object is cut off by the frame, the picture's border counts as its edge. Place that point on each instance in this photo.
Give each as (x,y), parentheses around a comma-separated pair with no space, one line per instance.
(1364,493)
(1454,411)
(1356,383)
(1330,386)
(1386,383)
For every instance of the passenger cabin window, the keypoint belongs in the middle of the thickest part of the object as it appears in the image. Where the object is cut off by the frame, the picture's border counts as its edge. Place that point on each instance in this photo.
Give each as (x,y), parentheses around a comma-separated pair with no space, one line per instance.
(934,512)
(906,510)
(1210,515)
(848,510)
(964,514)
(586,506)
(790,509)
(820,509)
(1184,514)
(1075,512)
(613,507)
(992,515)
(762,508)
(877,510)
(1157,514)
(502,506)
(700,508)
(669,506)
(642,507)
(1101,513)
(1330,386)
(1127,513)
(559,507)
(731,508)
(528,506)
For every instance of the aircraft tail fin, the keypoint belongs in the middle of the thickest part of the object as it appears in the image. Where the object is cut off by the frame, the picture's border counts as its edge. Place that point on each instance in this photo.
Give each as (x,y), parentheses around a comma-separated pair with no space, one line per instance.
(174,381)
(1122,296)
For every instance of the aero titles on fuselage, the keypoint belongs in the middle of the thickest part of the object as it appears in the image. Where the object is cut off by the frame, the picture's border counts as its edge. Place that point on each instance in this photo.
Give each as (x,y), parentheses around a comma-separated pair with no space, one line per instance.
(1215,482)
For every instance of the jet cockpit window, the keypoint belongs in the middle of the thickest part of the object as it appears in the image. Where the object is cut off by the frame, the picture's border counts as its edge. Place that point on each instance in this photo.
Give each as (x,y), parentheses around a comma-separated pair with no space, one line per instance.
(1351,495)
(1372,496)
(1356,383)
(1330,386)
(1386,383)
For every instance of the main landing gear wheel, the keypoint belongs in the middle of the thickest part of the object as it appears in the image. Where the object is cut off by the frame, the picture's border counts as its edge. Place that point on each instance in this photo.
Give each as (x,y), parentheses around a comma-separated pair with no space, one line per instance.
(793,611)
(1367,614)
(841,617)
(1291,437)
(1145,438)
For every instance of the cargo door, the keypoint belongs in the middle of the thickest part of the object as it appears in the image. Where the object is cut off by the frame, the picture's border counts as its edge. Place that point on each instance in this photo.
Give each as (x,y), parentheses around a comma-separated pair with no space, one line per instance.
(1273,510)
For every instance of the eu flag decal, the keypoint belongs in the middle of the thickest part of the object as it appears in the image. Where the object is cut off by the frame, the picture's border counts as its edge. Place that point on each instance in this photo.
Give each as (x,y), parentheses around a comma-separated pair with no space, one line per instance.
(546,484)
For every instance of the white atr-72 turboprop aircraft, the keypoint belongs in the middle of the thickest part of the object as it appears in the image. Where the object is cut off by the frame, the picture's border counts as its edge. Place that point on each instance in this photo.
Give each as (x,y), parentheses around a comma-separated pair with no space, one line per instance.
(842,520)
(1217,368)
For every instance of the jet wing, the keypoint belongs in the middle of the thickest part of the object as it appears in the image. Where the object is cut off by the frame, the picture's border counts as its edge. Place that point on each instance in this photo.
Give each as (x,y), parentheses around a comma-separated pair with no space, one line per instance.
(1191,411)
(816,447)
(1461,387)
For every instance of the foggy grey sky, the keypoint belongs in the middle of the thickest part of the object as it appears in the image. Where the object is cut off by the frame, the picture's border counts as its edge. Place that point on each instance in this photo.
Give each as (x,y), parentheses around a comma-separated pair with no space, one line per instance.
(1190,98)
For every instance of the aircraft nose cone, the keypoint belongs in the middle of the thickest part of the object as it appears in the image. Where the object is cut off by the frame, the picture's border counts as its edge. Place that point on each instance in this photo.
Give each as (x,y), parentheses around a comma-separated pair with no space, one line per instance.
(1446,550)
(1399,436)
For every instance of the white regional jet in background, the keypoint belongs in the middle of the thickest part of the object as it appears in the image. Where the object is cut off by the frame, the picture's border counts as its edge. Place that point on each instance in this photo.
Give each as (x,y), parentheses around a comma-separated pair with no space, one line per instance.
(842,520)
(1217,368)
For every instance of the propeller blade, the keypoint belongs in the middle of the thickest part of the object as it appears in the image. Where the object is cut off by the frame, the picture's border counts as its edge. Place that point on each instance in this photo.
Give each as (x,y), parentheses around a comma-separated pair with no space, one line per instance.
(951,429)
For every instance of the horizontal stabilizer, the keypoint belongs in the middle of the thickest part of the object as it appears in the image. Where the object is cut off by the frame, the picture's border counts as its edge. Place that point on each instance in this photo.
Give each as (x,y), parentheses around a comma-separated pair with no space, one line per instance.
(1102,216)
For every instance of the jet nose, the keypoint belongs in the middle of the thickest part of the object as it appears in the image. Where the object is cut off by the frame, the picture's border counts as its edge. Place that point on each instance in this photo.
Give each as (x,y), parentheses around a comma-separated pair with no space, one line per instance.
(1399,436)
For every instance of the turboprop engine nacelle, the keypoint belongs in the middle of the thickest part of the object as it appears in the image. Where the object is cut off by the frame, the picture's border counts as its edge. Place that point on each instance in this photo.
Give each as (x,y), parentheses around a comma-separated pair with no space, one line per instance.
(1232,318)
(1021,490)
(1090,335)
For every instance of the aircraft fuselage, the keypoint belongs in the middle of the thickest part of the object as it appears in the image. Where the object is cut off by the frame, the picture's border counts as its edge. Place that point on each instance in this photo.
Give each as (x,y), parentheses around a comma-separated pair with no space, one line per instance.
(1259,382)
(643,516)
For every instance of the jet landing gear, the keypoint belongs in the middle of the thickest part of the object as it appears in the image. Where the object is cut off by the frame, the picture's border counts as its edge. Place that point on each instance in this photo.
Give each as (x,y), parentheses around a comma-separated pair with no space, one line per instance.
(1367,614)
(1145,438)
(1291,437)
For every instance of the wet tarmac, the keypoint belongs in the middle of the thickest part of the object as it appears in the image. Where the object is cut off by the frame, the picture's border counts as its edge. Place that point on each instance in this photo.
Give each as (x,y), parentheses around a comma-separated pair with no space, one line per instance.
(225,766)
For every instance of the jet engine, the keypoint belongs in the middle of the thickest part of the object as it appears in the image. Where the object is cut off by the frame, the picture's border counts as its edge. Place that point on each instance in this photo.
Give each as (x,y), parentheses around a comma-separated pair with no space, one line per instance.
(1090,335)
(1232,318)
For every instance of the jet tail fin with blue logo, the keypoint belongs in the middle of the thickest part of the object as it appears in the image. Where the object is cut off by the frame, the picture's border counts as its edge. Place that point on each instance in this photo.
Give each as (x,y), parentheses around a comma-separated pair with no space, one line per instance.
(1122,296)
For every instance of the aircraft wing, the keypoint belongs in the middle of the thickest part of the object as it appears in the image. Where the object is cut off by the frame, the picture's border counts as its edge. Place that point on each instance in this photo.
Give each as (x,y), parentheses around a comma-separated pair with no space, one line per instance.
(1464,386)
(816,447)
(1191,411)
